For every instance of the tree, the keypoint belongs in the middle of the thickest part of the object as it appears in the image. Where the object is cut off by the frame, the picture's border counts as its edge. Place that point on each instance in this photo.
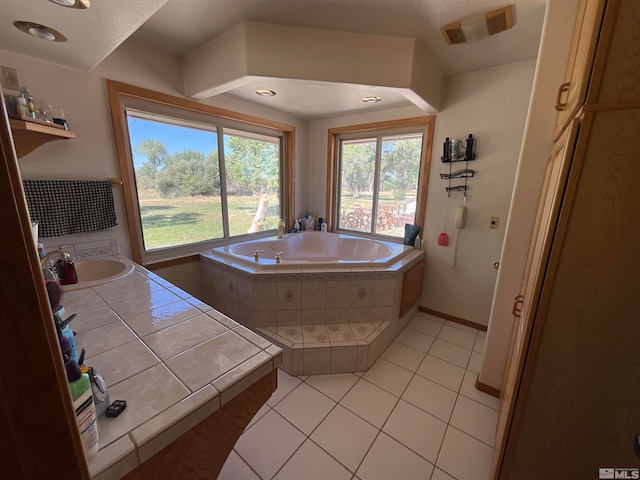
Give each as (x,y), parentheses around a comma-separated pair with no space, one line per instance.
(400,164)
(252,165)
(155,151)
(358,166)
(189,173)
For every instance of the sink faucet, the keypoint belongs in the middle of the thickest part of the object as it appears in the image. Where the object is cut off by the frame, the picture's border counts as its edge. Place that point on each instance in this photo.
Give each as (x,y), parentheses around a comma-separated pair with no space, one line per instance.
(48,273)
(280,228)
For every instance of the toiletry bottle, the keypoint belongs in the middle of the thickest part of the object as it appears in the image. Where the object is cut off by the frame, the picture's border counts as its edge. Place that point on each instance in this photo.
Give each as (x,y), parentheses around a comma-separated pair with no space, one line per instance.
(323,227)
(66,270)
(31,108)
(80,388)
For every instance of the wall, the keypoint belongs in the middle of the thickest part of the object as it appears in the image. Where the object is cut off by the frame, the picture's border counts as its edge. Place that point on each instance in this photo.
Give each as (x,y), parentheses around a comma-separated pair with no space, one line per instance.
(536,147)
(491,104)
(91,155)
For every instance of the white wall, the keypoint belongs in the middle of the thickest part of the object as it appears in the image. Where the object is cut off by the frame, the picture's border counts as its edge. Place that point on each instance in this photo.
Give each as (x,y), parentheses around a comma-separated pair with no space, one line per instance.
(491,104)
(92,155)
(536,147)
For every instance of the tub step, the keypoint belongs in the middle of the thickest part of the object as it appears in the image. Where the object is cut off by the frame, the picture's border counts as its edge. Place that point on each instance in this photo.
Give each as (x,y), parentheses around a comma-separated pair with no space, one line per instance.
(331,348)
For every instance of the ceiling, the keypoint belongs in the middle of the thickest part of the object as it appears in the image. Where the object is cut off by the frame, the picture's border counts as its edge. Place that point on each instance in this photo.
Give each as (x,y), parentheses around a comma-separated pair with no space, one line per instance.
(181,26)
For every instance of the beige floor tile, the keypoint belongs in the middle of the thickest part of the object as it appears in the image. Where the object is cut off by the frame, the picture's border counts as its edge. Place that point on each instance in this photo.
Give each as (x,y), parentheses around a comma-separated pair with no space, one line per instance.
(464,457)
(403,356)
(370,402)
(416,429)
(475,362)
(345,436)
(451,353)
(459,326)
(389,459)
(458,337)
(425,325)
(235,468)
(259,414)
(475,419)
(335,385)
(414,339)
(286,383)
(305,407)
(479,345)
(430,397)
(310,462)
(439,320)
(440,475)
(386,375)
(469,390)
(268,444)
(445,373)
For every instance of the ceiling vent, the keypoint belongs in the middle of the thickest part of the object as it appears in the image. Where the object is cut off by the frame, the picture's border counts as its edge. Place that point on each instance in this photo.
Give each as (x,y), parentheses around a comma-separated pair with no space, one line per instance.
(475,28)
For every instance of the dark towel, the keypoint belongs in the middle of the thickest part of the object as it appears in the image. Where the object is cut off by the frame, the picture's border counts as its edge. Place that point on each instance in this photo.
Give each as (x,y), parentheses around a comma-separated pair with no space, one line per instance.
(63,207)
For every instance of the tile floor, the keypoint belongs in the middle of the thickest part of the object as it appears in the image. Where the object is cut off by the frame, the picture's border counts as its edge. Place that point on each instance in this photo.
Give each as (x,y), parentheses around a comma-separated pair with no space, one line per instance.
(415,414)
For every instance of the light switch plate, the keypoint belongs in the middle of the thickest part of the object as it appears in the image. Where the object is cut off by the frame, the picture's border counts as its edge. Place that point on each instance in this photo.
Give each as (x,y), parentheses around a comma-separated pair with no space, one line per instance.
(10,78)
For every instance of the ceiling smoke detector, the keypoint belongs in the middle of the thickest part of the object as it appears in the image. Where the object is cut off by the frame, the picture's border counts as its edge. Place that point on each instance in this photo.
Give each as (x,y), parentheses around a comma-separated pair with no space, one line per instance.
(265,93)
(371,99)
(478,27)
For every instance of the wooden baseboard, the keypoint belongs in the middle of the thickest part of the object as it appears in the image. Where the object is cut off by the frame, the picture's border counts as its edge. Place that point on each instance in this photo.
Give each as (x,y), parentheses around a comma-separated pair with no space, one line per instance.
(483,387)
(453,318)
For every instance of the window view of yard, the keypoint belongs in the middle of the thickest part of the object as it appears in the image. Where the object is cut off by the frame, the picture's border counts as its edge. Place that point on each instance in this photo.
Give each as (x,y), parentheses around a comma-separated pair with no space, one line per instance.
(379,175)
(178,178)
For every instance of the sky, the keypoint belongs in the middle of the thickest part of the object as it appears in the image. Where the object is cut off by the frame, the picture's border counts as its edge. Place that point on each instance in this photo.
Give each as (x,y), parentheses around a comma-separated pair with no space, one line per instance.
(175,138)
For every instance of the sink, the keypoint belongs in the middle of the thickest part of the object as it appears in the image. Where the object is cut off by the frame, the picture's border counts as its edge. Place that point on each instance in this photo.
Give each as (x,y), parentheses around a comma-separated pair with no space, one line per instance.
(98,271)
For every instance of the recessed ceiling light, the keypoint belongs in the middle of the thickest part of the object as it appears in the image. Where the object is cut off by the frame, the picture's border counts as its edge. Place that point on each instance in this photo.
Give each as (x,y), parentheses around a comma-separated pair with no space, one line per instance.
(40,31)
(82,4)
(371,99)
(265,93)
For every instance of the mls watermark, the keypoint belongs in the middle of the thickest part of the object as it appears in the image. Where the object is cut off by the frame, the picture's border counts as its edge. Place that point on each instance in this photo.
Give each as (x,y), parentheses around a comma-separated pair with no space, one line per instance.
(623,473)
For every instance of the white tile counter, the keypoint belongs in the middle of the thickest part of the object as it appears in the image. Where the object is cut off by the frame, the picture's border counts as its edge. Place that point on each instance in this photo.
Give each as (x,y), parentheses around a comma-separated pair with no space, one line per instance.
(174,359)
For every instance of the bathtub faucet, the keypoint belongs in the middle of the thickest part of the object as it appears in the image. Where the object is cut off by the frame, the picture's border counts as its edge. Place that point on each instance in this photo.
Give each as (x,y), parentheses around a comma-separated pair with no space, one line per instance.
(256,255)
(280,228)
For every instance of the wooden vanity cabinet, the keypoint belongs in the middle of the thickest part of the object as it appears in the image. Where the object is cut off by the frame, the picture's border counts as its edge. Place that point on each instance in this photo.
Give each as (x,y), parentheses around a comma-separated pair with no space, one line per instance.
(571,393)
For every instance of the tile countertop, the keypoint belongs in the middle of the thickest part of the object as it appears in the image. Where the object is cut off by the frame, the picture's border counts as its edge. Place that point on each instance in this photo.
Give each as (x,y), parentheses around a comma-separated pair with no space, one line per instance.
(174,359)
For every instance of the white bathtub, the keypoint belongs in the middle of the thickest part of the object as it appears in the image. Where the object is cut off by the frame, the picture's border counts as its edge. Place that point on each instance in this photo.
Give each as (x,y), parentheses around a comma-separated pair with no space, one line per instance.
(314,249)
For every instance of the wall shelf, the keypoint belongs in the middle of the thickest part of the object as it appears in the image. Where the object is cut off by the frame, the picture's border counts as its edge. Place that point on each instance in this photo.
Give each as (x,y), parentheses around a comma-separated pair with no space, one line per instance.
(29,135)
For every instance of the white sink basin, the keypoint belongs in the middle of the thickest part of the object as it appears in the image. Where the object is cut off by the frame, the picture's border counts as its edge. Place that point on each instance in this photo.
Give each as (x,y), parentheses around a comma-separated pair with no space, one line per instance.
(98,271)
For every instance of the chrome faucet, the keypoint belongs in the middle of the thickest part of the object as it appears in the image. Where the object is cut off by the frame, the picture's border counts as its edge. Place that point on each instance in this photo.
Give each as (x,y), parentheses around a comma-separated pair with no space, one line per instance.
(280,228)
(48,273)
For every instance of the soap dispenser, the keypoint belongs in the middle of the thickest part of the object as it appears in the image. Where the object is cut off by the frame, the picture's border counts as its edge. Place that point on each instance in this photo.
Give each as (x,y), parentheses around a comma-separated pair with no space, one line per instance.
(66,269)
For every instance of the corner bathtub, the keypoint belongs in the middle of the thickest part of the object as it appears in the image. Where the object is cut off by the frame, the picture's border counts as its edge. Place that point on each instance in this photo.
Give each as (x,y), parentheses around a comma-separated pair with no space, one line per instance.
(314,250)
(333,304)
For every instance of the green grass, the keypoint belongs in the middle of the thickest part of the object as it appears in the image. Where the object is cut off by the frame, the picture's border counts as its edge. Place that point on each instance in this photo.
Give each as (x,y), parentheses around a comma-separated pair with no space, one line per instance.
(175,221)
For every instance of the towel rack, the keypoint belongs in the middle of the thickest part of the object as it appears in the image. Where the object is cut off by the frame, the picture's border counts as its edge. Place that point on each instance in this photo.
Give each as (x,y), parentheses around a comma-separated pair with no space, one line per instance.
(116,182)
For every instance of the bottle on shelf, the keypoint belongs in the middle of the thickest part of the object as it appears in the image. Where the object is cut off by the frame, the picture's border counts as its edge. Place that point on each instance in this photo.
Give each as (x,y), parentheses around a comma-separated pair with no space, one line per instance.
(86,418)
(31,107)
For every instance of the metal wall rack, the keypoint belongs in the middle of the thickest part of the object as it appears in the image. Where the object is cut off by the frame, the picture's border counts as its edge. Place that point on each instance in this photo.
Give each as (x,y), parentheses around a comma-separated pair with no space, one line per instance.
(464,156)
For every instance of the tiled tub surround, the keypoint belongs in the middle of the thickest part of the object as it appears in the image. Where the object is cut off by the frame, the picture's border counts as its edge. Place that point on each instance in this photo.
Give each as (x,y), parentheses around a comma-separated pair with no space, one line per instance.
(327,320)
(174,359)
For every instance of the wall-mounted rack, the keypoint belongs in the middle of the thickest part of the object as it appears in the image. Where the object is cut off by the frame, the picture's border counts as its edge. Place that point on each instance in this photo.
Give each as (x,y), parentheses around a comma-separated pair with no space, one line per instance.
(458,151)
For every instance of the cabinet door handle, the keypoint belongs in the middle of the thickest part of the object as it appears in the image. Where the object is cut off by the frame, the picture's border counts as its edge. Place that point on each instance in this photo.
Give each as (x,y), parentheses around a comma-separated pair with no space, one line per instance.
(563,88)
(517,306)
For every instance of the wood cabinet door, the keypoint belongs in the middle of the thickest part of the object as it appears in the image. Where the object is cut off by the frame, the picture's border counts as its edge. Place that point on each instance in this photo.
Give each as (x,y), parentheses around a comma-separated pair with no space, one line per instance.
(581,411)
(526,303)
(572,93)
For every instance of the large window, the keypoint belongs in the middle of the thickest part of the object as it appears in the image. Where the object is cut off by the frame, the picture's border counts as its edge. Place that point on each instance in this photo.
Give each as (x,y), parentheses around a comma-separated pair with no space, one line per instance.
(380,174)
(194,175)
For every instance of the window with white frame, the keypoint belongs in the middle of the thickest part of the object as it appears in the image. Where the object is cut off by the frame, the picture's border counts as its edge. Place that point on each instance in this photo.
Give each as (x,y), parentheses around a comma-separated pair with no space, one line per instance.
(381,173)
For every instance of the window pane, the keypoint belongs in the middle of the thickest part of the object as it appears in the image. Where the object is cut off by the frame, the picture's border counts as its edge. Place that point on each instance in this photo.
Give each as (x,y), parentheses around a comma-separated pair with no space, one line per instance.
(252,169)
(357,171)
(178,182)
(398,186)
